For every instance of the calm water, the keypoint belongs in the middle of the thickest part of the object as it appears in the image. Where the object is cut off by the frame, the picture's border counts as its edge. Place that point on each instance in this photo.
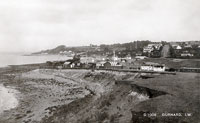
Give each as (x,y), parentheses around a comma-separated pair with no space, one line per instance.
(18,59)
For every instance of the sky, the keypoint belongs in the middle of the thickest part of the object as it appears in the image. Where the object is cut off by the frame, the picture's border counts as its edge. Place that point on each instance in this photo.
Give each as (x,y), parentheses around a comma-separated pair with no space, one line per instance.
(33,25)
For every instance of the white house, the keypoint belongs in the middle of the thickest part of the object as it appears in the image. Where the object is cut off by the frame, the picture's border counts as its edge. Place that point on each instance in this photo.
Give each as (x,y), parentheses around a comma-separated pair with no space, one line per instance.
(100,64)
(176,46)
(115,64)
(112,65)
(188,46)
(66,65)
(140,57)
(186,54)
(150,47)
(150,66)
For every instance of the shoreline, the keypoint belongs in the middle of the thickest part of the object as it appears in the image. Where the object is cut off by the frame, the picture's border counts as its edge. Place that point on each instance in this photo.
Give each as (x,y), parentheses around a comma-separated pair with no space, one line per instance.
(20,59)
(48,95)
(8,98)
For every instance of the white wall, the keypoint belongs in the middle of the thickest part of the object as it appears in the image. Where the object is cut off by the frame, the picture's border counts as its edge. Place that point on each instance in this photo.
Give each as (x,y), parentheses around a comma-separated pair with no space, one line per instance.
(146,68)
(152,68)
(159,69)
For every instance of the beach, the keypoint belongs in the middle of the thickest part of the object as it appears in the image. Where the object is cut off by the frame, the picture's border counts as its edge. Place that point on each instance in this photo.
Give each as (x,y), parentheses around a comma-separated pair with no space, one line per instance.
(75,95)
(7,98)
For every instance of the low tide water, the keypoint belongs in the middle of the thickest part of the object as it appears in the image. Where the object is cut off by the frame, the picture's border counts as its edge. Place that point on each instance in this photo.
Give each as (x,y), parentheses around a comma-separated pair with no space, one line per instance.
(19,58)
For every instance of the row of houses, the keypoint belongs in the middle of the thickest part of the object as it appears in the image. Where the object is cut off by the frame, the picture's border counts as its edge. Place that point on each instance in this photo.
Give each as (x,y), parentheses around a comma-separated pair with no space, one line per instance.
(186,50)
(172,49)
(179,46)
(148,66)
(93,63)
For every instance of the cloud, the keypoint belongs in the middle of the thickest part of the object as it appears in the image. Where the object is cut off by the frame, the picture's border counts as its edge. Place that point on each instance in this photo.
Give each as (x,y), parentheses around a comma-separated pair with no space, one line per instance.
(39,24)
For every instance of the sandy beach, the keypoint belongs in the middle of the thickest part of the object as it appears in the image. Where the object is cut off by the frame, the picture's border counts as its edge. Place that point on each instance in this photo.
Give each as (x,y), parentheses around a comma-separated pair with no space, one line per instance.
(7,98)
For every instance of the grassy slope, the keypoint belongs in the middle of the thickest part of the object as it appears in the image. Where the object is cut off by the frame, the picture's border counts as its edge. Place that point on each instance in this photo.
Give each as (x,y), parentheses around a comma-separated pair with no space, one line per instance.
(173,63)
(184,96)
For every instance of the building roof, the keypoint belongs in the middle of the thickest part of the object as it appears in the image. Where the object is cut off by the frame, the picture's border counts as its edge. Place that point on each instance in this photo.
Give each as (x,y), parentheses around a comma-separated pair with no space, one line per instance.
(100,63)
(114,63)
(67,63)
(153,64)
(140,57)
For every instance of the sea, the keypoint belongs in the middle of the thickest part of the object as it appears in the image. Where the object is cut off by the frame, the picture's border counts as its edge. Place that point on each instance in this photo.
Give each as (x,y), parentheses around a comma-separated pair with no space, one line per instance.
(7,59)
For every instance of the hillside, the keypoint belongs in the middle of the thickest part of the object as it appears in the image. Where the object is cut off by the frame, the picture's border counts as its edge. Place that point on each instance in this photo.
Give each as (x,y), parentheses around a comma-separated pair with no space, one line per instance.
(124,49)
(94,49)
(52,51)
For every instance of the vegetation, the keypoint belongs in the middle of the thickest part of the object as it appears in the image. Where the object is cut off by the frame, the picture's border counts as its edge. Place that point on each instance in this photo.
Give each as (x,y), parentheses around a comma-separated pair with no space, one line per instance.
(131,49)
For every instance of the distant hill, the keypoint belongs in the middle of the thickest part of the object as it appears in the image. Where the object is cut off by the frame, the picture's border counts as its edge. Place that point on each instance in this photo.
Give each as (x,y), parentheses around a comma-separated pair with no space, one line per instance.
(63,48)
(53,51)
(128,48)
(136,45)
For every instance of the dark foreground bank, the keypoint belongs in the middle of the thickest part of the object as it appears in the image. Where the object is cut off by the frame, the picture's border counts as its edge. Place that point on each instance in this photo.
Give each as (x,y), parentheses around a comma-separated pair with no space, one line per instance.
(84,96)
